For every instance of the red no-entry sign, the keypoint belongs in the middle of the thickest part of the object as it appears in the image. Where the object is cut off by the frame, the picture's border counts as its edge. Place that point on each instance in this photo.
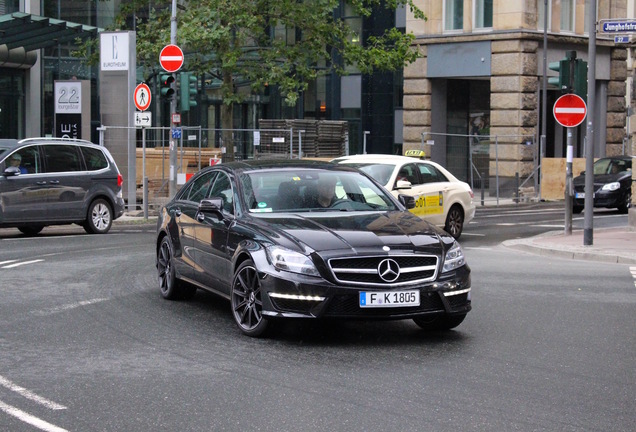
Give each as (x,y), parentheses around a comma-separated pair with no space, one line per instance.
(570,110)
(171,58)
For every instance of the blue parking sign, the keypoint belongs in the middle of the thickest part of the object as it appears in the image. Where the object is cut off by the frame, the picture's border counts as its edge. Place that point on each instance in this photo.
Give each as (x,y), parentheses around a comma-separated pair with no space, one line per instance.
(176,133)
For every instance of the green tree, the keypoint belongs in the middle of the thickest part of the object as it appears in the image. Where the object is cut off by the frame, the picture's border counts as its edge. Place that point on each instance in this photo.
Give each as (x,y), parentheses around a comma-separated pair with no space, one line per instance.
(235,41)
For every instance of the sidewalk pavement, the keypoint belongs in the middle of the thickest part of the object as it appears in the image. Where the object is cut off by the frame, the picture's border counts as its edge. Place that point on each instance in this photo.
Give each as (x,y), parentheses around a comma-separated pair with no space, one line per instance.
(612,245)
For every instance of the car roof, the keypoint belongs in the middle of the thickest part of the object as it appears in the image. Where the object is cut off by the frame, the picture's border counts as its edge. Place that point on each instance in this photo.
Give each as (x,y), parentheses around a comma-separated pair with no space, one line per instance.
(378,158)
(264,164)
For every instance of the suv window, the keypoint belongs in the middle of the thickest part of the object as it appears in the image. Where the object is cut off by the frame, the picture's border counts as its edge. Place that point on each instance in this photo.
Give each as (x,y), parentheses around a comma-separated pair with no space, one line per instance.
(62,158)
(29,157)
(94,159)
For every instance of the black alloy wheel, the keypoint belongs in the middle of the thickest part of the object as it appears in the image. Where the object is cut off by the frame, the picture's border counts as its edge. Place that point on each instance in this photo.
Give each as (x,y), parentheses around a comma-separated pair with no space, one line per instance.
(99,218)
(439,322)
(627,203)
(171,287)
(247,306)
(455,221)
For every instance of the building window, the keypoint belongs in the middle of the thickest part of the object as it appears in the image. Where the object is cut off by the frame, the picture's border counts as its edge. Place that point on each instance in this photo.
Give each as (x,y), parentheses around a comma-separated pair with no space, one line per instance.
(483,13)
(567,15)
(453,14)
(541,13)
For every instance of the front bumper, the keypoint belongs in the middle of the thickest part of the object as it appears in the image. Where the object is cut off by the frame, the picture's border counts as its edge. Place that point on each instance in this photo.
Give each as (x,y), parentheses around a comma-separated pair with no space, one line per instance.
(288,295)
(602,199)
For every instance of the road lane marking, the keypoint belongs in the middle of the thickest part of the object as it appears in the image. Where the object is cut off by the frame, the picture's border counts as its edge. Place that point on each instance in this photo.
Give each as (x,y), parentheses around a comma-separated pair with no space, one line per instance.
(28,394)
(54,310)
(633,272)
(473,234)
(18,264)
(7,262)
(30,419)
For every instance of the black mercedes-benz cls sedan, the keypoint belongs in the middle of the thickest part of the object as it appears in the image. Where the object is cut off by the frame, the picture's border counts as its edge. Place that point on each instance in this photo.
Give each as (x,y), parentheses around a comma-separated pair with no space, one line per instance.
(306,239)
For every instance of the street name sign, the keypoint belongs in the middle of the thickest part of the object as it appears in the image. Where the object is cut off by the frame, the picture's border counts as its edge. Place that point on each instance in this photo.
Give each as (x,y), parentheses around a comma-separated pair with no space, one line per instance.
(570,110)
(142,97)
(615,26)
(171,58)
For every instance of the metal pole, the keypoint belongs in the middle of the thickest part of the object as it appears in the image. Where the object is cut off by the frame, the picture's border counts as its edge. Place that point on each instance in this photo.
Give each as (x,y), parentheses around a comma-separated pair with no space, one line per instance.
(300,144)
(143,171)
(588,230)
(497,166)
(172,187)
(544,89)
(364,142)
(568,184)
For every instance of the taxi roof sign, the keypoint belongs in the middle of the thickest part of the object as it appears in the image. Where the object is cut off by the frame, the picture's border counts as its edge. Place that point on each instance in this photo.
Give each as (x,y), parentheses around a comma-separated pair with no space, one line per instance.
(415,153)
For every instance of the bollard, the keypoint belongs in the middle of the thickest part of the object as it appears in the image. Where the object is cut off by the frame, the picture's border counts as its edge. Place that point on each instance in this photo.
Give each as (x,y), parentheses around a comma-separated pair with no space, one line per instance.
(483,192)
(145,198)
(517,188)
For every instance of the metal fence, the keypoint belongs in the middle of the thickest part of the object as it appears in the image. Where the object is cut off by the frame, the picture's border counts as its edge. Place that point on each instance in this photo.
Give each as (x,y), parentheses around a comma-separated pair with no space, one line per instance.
(495,166)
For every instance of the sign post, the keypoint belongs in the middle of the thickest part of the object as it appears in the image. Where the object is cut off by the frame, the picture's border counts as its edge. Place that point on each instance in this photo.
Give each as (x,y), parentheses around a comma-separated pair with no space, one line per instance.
(569,111)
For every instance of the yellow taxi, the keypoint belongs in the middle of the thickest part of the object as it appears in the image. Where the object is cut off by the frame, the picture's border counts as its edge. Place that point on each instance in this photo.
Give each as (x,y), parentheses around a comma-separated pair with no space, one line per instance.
(440,197)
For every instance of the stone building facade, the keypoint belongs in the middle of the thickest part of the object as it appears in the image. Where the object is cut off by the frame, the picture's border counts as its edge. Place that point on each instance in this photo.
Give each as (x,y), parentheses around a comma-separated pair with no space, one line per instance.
(483,59)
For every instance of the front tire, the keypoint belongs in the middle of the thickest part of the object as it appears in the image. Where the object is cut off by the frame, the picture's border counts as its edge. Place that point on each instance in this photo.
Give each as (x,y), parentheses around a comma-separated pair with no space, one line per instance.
(170,286)
(455,221)
(627,203)
(246,300)
(31,230)
(99,218)
(439,322)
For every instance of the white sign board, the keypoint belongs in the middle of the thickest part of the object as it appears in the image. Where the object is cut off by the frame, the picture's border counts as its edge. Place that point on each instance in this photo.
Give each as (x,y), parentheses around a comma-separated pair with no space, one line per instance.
(68,97)
(257,138)
(113,53)
(143,119)
(278,139)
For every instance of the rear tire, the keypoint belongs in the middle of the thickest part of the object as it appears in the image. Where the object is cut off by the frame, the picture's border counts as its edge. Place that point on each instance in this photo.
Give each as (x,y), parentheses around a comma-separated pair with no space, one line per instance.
(455,221)
(170,286)
(99,218)
(439,322)
(31,230)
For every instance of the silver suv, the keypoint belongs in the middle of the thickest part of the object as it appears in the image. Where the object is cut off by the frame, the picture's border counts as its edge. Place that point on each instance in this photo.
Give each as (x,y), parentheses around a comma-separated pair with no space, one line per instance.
(52,181)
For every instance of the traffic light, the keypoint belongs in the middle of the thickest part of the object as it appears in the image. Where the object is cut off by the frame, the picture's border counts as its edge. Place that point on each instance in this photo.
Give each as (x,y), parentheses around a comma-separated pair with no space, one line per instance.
(580,78)
(167,89)
(188,90)
(565,68)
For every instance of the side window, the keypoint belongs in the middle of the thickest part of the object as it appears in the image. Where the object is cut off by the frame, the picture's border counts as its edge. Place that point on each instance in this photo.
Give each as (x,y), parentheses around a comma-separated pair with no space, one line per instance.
(409,173)
(94,159)
(27,159)
(430,174)
(200,187)
(62,158)
(222,188)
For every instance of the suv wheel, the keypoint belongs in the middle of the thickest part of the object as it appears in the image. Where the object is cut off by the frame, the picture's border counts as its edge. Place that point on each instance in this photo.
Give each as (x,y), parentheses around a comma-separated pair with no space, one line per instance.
(31,230)
(100,217)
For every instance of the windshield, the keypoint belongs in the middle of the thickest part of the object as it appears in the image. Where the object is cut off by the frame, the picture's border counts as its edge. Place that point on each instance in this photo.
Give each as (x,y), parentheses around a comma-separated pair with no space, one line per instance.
(307,190)
(611,166)
(379,171)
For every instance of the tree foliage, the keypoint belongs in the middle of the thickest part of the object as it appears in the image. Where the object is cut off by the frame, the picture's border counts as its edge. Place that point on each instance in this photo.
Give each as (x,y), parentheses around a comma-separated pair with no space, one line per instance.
(282,43)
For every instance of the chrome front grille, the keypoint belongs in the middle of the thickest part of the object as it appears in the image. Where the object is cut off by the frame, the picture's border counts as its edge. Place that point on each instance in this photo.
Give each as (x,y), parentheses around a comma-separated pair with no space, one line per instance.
(384,271)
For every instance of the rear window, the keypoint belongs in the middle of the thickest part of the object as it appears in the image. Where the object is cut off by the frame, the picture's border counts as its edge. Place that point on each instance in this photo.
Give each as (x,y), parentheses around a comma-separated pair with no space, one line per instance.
(94,158)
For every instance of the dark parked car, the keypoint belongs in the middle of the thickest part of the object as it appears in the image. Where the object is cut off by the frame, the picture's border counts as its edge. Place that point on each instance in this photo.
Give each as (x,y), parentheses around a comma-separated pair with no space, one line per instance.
(303,239)
(612,185)
(49,181)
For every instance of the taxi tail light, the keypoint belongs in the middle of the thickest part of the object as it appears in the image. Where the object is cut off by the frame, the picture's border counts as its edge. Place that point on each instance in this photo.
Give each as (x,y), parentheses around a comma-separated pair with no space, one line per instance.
(470,192)
(120,180)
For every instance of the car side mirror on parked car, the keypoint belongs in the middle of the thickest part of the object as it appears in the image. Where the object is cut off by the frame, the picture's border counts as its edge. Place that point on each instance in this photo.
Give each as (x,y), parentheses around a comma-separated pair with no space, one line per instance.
(11,171)
(407,201)
(212,206)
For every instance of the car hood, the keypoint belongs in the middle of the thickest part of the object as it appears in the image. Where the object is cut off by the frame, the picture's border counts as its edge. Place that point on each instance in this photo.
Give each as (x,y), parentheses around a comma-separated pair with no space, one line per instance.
(354,232)
(603,178)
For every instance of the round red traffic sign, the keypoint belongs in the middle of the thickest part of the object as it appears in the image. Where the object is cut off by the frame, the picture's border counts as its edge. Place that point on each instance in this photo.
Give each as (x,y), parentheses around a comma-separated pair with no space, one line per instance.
(570,110)
(142,97)
(171,58)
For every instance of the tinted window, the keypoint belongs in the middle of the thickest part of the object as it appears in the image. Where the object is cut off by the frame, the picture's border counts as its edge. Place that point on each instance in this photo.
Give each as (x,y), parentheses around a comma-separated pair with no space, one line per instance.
(409,173)
(200,186)
(62,158)
(430,174)
(222,188)
(28,159)
(94,159)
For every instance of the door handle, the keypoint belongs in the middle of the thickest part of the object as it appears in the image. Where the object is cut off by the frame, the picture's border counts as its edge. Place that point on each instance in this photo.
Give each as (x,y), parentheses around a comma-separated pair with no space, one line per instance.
(41,183)
(54,182)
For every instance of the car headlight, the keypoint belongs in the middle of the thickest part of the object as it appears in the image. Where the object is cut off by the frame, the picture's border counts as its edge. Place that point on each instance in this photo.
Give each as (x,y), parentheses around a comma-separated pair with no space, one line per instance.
(454,258)
(288,260)
(612,186)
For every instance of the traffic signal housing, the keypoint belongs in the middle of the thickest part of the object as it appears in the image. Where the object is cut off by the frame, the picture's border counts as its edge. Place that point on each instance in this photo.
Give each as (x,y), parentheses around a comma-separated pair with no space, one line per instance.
(580,78)
(572,75)
(188,83)
(167,87)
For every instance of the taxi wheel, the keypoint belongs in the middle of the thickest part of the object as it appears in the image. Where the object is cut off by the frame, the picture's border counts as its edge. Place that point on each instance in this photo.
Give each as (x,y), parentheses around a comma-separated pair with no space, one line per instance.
(455,221)
(439,322)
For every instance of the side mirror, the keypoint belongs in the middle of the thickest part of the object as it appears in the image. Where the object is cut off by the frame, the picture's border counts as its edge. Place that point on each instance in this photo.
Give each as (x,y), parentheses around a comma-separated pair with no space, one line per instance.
(11,171)
(212,206)
(407,201)
(403,184)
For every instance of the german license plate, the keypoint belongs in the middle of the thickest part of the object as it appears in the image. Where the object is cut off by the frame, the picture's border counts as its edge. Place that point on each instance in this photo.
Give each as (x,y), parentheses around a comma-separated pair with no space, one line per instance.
(579,195)
(389,298)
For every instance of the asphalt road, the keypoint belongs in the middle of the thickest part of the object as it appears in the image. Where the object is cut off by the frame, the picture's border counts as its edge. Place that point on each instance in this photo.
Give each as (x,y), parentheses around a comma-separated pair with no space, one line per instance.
(88,344)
